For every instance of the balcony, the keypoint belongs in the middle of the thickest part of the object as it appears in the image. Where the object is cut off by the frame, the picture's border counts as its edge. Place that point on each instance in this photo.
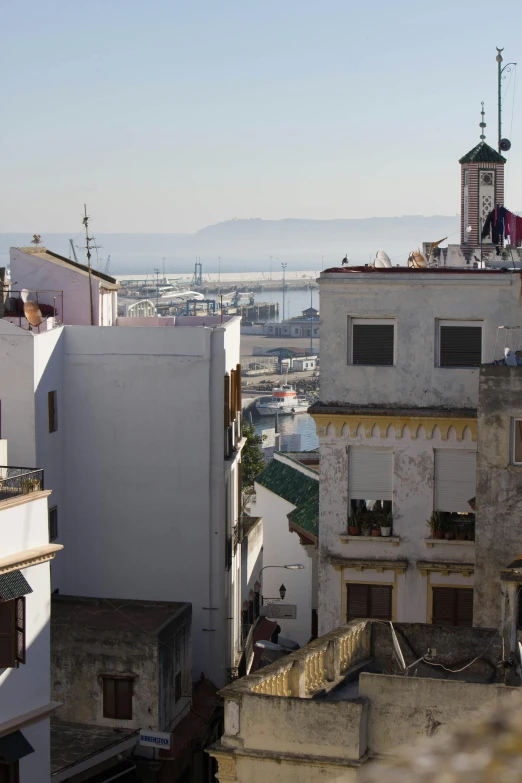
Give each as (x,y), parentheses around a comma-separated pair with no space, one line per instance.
(15,481)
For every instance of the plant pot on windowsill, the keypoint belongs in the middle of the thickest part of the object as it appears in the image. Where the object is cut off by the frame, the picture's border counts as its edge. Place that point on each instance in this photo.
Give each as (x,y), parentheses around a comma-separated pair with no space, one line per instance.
(376,531)
(367,531)
(385,531)
(449,535)
(460,536)
(437,534)
(354,530)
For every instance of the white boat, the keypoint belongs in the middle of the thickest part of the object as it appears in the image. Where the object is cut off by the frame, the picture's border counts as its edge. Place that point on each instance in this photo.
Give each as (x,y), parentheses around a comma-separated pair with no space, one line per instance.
(284,401)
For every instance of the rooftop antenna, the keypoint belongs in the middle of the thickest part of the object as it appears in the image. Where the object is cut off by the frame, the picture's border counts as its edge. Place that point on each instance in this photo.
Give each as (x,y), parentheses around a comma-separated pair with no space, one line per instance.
(36,240)
(482,124)
(503,144)
(88,240)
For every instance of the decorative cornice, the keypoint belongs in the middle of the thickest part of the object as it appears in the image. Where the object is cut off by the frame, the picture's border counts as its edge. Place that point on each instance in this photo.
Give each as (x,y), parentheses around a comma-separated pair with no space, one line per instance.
(445,569)
(27,718)
(19,500)
(28,557)
(358,564)
(348,425)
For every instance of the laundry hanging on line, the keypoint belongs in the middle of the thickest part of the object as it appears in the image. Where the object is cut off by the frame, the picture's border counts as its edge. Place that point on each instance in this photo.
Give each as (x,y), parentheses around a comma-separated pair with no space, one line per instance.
(502,224)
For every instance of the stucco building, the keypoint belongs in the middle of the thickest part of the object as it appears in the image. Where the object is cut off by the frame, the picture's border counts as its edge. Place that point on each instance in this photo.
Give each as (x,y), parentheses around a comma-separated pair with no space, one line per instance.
(397,423)
(138,428)
(26,704)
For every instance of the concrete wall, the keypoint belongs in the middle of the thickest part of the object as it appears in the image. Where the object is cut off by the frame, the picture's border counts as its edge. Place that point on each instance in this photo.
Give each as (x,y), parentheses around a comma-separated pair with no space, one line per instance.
(413,503)
(403,709)
(38,274)
(416,302)
(499,487)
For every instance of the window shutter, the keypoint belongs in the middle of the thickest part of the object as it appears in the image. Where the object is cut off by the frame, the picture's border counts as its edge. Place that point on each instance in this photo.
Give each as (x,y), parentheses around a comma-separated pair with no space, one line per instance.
(226,401)
(380,602)
(124,699)
(460,346)
(443,606)
(53,413)
(20,629)
(358,600)
(455,479)
(238,388)
(7,634)
(464,606)
(370,472)
(109,698)
(233,394)
(372,344)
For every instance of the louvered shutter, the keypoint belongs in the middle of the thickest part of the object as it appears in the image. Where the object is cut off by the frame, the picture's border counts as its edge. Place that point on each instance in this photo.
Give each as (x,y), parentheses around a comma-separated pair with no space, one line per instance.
(7,634)
(109,698)
(370,473)
(380,602)
(124,699)
(464,607)
(20,629)
(443,606)
(455,479)
(358,600)
(372,344)
(460,346)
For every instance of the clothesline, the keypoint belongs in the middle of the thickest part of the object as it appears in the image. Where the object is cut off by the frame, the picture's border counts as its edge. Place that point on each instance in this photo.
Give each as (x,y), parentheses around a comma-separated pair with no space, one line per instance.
(502,224)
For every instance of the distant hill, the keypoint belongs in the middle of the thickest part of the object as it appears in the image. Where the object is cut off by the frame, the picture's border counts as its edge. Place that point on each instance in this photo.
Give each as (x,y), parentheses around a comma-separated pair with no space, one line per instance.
(248,244)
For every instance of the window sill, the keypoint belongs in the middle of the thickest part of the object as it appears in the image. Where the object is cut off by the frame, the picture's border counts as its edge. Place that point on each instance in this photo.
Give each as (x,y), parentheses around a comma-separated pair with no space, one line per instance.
(436,541)
(393,540)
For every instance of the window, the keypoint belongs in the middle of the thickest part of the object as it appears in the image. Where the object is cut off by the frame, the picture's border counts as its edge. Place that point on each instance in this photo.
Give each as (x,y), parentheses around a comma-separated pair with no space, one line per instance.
(52,404)
(455,480)
(368,601)
(453,606)
(370,476)
(177,687)
(53,523)
(12,632)
(117,698)
(9,773)
(517,441)
(460,344)
(373,341)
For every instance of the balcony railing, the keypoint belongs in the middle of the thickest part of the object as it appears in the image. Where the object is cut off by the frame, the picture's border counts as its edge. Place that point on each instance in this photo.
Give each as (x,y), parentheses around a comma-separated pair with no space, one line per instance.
(232,436)
(16,481)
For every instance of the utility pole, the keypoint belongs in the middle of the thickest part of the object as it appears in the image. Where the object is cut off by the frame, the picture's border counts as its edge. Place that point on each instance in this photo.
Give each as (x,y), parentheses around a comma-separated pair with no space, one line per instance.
(156,271)
(88,241)
(164,278)
(311,322)
(284,271)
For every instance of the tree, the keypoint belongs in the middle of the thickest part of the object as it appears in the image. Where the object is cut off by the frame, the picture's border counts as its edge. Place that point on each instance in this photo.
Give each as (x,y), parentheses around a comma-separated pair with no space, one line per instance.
(252,458)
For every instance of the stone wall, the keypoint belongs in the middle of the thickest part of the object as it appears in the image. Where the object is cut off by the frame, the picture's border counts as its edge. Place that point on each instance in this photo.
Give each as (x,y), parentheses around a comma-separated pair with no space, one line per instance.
(499,488)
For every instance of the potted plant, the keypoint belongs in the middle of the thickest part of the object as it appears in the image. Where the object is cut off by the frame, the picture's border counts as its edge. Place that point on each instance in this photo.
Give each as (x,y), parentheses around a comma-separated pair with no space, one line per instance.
(367,525)
(461,530)
(354,523)
(30,485)
(386,525)
(437,524)
(449,532)
(470,529)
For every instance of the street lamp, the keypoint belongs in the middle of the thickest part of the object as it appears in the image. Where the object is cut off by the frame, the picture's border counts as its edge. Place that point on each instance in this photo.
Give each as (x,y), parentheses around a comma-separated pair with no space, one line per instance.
(282,589)
(284,271)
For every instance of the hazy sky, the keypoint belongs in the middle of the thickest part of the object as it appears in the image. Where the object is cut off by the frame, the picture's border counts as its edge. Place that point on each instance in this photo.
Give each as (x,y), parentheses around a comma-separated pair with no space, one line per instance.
(166,116)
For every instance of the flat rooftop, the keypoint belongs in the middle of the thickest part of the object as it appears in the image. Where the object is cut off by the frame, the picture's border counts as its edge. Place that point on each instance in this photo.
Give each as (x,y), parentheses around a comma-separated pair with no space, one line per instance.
(406,270)
(72,743)
(113,613)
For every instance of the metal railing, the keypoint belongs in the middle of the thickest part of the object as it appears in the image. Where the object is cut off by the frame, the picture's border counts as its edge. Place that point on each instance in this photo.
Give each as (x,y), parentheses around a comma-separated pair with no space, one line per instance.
(13,306)
(16,481)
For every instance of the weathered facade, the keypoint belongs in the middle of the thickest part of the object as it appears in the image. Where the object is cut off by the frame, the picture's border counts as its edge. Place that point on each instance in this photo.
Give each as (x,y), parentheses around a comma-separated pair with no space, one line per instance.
(397,423)
(499,492)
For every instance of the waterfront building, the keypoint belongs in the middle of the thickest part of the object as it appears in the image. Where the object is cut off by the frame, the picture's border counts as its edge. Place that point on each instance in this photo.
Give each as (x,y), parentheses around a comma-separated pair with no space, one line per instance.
(26,705)
(300,326)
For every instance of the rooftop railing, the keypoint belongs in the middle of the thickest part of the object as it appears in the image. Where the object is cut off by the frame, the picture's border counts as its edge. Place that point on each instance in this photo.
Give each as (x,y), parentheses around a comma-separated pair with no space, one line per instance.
(16,481)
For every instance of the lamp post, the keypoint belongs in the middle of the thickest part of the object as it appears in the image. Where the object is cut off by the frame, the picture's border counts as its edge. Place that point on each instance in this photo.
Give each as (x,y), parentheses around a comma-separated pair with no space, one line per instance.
(311,322)
(284,271)
(157,289)
(282,589)
(501,76)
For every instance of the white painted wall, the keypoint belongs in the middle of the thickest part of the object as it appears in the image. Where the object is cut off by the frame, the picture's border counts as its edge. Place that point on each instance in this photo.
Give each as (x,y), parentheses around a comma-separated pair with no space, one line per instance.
(416,301)
(28,687)
(281,547)
(17,393)
(35,273)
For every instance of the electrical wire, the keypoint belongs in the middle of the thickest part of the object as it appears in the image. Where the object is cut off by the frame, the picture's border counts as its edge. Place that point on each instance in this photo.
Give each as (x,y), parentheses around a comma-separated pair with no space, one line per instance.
(456,671)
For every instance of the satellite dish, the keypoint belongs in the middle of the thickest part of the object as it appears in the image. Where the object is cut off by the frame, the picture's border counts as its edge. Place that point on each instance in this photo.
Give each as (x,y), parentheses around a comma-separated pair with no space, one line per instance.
(32,312)
(382,259)
(397,647)
(505,145)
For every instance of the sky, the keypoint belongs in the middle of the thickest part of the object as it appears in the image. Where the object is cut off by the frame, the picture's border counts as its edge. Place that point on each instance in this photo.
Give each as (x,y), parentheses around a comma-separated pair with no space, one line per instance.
(169,115)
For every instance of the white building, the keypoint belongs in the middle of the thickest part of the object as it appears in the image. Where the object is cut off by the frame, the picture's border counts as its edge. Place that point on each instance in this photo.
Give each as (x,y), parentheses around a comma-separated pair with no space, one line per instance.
(25,688)
(64,285)
(135,308)
(287,499)
(138,430)
(397,423)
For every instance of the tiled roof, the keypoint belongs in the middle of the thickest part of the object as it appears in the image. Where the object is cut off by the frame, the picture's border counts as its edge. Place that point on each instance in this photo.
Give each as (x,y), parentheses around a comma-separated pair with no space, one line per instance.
(289,483)
(306,516)
(297,488)
(483,153)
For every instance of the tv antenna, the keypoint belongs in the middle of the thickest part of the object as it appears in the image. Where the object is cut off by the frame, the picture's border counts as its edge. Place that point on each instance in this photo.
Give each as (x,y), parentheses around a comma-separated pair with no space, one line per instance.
(88,240)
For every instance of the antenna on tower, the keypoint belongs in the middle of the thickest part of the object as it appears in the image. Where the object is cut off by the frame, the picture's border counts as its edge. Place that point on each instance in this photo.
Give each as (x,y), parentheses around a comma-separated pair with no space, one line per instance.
(88,240)
(482,124)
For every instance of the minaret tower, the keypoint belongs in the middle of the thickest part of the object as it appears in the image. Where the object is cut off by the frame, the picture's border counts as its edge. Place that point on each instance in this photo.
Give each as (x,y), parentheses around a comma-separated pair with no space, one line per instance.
(481,188)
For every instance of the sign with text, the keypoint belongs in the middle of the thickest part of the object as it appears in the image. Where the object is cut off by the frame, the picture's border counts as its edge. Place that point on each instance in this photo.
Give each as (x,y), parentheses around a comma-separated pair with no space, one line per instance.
(155,739)
(281,611)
